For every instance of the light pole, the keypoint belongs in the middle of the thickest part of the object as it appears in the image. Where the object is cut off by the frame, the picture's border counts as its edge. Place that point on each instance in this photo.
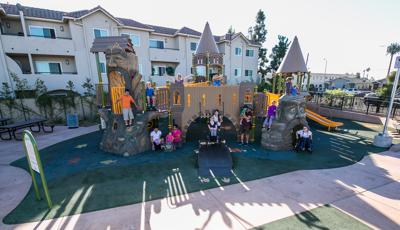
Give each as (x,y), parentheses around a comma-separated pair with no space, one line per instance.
(326,64)
(383,139)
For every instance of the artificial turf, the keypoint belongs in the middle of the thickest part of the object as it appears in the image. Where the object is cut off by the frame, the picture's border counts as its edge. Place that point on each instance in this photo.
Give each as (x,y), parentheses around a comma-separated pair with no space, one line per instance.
(325,217)
(83,178)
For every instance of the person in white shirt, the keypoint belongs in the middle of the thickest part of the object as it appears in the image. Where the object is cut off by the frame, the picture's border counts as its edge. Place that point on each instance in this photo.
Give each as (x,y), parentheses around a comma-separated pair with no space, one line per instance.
(155,137)
(304,140)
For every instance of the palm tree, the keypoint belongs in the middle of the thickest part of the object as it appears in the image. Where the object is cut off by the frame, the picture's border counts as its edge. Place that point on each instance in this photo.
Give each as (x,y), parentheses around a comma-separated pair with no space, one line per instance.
(392,49)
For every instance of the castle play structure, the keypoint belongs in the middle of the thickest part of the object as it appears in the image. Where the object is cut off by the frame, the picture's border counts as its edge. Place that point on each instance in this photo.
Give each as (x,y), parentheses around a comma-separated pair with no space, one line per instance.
(182,103)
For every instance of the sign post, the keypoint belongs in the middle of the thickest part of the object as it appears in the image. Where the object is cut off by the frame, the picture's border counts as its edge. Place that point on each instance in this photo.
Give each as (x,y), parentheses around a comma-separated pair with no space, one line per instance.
(384,139)
(35,165)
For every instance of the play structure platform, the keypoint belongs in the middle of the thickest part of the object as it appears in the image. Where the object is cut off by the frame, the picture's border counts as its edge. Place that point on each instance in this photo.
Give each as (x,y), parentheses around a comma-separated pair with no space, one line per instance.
(214,159)
(322,120)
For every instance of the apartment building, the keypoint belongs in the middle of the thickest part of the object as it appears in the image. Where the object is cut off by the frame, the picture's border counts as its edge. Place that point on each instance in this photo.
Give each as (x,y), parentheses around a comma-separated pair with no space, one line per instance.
(54,46)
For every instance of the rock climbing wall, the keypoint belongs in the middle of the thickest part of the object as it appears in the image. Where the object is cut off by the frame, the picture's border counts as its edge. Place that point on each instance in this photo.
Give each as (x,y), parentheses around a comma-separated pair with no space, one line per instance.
(290,118)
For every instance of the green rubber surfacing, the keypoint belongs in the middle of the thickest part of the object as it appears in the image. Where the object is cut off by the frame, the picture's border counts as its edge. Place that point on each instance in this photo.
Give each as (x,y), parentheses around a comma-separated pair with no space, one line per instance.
(325,217)
(82,178)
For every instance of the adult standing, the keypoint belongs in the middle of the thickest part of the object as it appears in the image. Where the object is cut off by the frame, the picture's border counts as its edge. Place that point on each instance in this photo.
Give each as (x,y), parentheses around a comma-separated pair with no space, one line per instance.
(177,133)
(245,126)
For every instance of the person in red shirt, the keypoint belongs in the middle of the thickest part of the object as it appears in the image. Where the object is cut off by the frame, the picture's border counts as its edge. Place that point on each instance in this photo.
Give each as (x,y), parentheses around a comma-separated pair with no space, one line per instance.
(126,101)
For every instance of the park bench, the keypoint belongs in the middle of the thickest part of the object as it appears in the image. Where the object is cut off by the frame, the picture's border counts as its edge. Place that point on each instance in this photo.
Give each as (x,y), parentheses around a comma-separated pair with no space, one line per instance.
(35,125)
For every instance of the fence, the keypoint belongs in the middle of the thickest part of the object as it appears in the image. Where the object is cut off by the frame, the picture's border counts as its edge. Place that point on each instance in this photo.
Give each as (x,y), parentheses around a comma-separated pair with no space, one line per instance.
(376,106)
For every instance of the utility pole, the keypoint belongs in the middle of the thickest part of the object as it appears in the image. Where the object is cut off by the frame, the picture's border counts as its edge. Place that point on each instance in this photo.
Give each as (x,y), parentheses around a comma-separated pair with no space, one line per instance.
(383,139)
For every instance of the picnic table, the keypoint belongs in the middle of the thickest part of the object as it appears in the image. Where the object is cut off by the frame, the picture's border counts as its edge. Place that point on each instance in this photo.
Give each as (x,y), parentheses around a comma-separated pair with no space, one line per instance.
(35,125)
(3,121)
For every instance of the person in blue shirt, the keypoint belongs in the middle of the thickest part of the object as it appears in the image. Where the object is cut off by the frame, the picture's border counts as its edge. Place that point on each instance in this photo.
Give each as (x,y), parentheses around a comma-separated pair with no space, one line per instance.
(150,96)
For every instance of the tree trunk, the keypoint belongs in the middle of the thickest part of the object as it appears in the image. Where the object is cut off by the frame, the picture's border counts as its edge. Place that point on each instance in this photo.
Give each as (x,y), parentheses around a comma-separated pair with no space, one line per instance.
(390,65)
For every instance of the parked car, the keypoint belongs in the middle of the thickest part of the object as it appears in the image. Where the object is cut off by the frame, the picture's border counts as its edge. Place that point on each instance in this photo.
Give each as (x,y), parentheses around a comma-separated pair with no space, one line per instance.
(352,91)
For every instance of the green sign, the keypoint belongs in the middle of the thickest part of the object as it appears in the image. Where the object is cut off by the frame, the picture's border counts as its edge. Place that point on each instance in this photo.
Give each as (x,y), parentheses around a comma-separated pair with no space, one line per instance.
(35,165)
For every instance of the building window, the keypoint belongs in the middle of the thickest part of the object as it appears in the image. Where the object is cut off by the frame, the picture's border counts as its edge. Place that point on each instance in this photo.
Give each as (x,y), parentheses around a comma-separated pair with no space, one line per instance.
(249,53)
(248,73)
(38,31)
(219,100)
(188,100)
(238,72)
(193,46)
(134,38)
(44,67)
(157,44)
(238,51)
(203,100)
(248,97)
(100,33)
(158,70)
(102,67)
(234,98)
(177,98)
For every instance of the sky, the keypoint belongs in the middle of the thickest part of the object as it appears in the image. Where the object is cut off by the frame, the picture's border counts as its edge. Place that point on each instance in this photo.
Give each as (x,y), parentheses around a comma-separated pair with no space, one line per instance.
(350,35)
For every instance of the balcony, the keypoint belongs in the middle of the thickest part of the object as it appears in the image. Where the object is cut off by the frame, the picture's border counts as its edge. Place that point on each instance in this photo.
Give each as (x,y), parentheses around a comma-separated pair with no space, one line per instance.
(165,55)
(17,43)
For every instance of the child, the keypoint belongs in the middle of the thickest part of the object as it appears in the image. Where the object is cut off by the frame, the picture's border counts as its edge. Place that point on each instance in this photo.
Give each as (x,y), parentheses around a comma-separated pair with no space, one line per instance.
(126,101)
(304,138)
(271,113)
(288,85)
(177,136)
(169,140)
(151,98)
(245,126)
(155,138)
(212,126)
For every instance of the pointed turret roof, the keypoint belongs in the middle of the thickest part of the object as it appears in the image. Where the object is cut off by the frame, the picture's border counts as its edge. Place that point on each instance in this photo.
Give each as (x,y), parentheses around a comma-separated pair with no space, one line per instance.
(207,42)
(293,61)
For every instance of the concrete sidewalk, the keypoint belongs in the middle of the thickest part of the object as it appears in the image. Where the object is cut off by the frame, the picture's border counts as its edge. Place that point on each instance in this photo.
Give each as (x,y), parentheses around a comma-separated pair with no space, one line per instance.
(367,190)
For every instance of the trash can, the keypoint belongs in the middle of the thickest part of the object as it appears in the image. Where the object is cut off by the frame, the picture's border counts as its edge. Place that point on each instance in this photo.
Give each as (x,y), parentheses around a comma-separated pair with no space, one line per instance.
(72,121)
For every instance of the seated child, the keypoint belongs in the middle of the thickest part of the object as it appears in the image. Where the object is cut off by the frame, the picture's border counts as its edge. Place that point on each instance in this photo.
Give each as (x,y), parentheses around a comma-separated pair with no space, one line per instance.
(155,138)
(213,127)
(169,142)
(304,140)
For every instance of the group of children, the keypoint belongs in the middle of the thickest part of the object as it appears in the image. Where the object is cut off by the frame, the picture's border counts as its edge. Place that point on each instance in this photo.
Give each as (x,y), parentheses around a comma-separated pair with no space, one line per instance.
(172,140)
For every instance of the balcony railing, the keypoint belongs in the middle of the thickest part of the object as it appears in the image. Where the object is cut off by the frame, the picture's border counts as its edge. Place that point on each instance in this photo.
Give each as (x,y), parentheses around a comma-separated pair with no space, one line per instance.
(163,48)
(21,34)
(37,72)
(38,36)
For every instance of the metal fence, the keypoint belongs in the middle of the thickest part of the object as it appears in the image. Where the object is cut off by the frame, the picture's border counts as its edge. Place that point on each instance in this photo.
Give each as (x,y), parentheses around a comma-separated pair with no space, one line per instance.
(375,106)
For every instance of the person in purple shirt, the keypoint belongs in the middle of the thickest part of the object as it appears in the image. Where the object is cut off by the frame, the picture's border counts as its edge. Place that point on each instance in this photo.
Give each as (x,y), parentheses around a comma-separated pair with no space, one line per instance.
(271,113)
(288,85)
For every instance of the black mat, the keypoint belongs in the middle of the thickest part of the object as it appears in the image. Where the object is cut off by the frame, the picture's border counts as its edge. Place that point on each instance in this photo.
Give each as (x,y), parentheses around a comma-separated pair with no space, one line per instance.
(214,158)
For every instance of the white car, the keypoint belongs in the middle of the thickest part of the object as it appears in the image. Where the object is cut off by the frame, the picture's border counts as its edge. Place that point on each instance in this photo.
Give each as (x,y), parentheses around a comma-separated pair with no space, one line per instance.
(352,91)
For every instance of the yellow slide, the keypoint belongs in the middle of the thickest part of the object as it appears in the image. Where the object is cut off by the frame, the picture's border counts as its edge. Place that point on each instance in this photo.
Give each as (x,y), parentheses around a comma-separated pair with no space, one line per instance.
(322,120)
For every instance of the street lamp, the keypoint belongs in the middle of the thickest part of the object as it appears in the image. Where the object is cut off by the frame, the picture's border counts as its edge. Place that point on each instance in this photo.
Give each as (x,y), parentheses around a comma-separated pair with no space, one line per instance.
(383,139)
(326,64)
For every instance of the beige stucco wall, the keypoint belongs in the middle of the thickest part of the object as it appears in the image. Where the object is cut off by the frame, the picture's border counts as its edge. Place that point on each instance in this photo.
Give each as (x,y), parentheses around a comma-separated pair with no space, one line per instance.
(15,26)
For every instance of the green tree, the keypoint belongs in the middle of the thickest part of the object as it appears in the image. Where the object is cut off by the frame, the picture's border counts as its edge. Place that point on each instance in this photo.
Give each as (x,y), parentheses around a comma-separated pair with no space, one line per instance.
(391,50)
(89,87)
(259,35)
(278,53)
(231,30)
(6,96)
(40,87)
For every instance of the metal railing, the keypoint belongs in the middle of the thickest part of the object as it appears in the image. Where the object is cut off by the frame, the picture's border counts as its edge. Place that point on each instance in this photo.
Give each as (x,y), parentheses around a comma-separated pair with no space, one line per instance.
(59,73)
(39,36)
(372,105)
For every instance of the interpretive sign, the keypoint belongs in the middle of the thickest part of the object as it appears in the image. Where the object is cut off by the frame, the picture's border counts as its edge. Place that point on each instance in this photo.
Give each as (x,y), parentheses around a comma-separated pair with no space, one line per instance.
(35,165)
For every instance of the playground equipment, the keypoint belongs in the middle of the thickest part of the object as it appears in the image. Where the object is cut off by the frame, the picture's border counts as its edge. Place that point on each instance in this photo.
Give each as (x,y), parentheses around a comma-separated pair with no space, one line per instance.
(122,72)
(322,120)
(291,115)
